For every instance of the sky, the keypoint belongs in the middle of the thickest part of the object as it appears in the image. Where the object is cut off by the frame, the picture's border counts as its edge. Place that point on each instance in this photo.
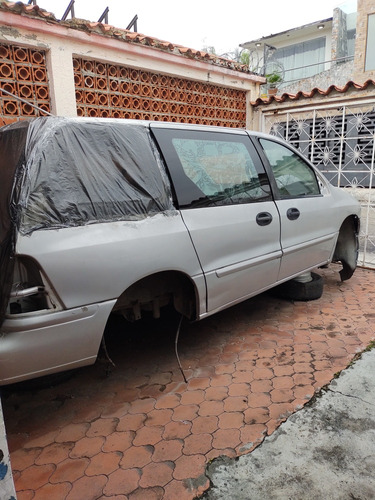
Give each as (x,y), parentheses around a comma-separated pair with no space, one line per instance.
(199,24)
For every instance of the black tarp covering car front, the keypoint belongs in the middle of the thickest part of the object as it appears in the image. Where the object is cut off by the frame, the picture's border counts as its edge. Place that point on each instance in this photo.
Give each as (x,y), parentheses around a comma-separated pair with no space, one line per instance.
(63,172)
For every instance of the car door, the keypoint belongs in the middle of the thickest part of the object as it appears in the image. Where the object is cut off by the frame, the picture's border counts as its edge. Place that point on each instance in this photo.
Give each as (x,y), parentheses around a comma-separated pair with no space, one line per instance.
(224,197)
(308,233)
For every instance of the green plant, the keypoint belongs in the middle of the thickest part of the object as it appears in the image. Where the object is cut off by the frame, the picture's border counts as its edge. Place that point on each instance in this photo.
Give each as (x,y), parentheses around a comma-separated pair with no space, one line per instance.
(273,79)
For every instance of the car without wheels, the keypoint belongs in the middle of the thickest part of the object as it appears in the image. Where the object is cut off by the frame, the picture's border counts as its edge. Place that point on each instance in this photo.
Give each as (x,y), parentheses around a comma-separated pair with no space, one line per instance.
(109,216)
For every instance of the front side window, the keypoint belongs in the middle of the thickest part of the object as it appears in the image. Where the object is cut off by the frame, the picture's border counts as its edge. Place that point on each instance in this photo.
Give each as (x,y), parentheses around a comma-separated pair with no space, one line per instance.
(210,169)
(294,177)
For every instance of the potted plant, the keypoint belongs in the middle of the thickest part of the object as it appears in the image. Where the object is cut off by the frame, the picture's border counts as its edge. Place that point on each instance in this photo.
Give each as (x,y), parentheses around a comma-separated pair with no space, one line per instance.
(272,80)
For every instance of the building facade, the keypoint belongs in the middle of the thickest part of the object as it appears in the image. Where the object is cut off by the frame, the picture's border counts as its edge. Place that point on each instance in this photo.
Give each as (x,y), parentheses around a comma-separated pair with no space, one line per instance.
(317,54)
(333,124)
(79,68)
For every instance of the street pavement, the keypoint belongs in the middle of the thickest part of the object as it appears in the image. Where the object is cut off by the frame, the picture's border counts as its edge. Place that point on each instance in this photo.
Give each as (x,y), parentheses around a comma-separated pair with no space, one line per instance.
(138,431)
(325,451)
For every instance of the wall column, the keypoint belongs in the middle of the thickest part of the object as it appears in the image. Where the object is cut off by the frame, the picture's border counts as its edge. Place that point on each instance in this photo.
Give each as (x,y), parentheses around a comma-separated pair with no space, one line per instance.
(60,71)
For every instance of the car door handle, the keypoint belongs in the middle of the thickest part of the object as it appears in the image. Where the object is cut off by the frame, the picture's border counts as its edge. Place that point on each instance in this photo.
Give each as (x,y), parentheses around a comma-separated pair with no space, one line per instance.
(264,218)
(293,213)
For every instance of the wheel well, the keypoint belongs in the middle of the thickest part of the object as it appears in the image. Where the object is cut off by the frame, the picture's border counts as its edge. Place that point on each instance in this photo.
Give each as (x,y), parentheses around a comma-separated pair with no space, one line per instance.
(346,249)
(155,291)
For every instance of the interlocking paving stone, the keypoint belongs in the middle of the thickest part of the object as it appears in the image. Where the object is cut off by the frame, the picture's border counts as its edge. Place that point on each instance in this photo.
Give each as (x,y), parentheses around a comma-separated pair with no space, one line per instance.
(143,433)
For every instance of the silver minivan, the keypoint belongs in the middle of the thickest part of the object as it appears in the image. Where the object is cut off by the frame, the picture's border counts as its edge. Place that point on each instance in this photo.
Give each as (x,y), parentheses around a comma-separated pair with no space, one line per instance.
(109,216)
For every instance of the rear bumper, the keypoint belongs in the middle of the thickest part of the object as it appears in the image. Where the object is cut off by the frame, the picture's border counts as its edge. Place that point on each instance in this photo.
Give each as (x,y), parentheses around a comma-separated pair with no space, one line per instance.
(37,344)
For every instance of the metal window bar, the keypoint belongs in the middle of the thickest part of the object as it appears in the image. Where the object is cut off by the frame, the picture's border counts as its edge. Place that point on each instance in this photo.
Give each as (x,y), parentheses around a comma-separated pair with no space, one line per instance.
(313,136)
(369,209)
(339,59)
(287,124)
(342,138)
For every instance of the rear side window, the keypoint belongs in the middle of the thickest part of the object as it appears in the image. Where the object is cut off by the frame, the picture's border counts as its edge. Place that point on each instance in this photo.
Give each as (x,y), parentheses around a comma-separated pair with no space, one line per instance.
(210,169)
(82,171)
(294,177)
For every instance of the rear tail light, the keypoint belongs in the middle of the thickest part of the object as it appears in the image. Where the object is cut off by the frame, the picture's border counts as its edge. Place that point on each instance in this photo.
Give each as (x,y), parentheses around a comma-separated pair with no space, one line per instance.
(31,291)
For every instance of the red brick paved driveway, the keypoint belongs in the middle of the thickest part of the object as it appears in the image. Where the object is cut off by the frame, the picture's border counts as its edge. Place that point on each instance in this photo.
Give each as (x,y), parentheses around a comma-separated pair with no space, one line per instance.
(142,433)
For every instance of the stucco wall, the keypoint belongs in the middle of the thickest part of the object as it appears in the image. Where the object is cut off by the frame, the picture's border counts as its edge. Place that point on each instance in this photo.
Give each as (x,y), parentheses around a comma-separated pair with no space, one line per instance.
(338,75)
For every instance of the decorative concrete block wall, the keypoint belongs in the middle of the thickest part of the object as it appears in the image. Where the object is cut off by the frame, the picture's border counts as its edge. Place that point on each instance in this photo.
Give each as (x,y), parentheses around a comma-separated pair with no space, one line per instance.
(23,73)
(110,90)
(79,68)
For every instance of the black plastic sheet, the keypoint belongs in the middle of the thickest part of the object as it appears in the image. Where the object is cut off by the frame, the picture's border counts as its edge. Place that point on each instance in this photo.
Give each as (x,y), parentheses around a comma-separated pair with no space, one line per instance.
(83,171)
(12,146)
(75,171)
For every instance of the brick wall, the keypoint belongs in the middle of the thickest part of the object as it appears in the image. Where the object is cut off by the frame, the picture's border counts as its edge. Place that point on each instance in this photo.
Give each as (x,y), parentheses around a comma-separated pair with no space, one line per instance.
(110,90)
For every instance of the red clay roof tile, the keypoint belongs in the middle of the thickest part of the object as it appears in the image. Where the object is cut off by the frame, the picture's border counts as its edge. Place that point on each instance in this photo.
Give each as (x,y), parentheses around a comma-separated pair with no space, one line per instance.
(128,36)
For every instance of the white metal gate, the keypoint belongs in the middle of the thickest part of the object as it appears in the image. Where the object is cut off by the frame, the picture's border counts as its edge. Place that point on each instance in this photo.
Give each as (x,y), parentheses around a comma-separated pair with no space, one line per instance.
(340,142)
